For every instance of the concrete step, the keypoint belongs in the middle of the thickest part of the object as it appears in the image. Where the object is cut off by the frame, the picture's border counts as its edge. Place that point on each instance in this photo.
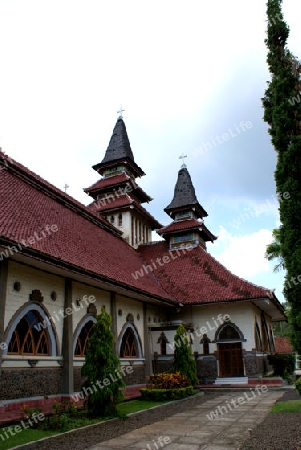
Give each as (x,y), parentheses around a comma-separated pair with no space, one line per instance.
(231,380)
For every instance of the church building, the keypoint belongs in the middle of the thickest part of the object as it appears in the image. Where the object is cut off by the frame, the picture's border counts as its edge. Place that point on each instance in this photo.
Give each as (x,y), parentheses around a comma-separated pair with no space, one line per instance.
(61,262)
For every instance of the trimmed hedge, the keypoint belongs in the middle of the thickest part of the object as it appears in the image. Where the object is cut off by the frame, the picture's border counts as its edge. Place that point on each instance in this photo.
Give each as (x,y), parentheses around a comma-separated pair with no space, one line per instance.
(298,385)
(283,363)
(166,394)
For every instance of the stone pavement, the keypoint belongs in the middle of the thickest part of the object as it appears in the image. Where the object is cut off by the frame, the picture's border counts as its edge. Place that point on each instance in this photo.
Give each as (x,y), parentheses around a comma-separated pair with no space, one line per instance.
(195,429)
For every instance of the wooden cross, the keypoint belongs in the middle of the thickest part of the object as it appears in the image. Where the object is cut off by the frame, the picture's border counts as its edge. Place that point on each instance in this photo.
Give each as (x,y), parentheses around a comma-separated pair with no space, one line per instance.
(66,187)
(120,112)
(182,157)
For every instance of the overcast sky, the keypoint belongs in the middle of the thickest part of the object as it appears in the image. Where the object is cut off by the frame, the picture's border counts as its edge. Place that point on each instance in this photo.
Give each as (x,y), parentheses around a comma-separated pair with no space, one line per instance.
(190,76)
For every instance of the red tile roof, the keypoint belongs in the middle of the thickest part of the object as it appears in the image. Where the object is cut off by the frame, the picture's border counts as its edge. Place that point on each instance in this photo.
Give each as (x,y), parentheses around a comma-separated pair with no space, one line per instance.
(193,276)
(110,181)
(116,181)
(283,345)
(83,240)
(113,202)
(181,225)
(89,245)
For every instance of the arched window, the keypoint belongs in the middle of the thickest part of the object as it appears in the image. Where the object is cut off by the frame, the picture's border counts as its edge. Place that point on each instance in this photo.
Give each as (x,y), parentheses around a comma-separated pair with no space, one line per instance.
(82,339)
(205,341)
(228,331)
(163,341)
(129,346)
(120,220)
(112,219)
(29,337)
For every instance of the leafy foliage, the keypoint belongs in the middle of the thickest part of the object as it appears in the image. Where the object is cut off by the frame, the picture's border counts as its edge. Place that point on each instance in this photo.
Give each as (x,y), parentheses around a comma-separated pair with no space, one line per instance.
(168,380)
(273,251)
(282,111)
(283,363)
(166,394)
(184,361)
(100,363)
(298,385)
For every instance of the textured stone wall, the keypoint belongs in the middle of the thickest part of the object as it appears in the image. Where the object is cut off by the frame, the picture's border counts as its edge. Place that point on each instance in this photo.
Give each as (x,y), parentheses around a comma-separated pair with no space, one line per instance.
(137,376)
(20,383)
(255,365)
(207,367)
(162,365)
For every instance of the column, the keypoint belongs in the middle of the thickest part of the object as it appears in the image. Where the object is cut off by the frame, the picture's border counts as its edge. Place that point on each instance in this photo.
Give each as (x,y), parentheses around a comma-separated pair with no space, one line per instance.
(67,344)
(3,290)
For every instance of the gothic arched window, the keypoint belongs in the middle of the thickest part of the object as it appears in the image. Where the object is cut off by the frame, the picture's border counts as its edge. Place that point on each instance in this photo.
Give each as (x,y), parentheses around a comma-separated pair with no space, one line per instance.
(29,337)
(163,341)
(129,345)
(205,341)
(82,340)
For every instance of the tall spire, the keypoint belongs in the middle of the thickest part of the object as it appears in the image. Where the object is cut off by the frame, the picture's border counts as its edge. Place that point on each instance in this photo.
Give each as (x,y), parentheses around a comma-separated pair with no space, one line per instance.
(184,195)
(119,145)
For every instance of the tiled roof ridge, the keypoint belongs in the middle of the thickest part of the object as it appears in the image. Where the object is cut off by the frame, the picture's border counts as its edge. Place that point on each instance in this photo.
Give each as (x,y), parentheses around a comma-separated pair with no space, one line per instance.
(234,275)
(52,191)
(266,290)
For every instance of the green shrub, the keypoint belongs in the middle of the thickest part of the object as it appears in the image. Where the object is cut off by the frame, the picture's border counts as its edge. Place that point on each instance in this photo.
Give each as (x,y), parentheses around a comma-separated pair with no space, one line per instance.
(168,380)
(166,394)
(298,385)
(184,362)
(284,364)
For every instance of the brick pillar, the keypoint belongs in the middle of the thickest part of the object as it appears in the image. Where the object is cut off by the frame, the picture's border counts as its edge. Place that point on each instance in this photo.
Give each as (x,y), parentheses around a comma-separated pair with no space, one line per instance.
(147,354)
(67,344)
(113,313)
(3,290)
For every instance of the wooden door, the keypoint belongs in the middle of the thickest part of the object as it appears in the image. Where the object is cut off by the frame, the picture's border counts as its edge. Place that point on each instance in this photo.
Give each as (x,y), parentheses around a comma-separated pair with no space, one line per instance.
(230,360)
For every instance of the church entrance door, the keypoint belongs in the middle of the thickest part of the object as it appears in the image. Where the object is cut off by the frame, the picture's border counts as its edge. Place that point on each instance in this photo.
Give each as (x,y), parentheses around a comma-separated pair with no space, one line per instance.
(230,360)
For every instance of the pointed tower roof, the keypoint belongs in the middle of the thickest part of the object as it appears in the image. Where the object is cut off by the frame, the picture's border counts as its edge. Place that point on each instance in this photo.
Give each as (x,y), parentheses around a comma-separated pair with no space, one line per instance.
(119,150)
(184,196)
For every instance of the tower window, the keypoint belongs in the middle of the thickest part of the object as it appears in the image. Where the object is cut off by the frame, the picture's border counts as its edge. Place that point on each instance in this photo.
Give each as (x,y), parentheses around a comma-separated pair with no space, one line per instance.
(120,220)
(112,219)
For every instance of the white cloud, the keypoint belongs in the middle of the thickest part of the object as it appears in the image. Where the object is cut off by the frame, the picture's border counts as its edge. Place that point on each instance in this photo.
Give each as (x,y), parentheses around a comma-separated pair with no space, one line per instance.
(243,255)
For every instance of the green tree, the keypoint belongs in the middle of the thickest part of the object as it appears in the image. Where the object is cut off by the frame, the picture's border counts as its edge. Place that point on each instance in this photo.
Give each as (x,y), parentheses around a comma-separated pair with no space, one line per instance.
(282,111)
(184,361)
(273,251)
(284,329)
(102,368)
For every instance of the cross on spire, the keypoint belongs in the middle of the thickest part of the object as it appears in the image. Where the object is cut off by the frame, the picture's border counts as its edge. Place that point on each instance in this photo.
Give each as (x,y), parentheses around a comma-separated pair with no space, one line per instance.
(66,187)
(120,112)
(182,158)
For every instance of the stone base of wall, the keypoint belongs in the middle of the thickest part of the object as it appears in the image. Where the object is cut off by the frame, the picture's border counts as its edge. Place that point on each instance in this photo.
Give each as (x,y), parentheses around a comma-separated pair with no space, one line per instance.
(255,365)
(22,383)
(207,367)
(162,365)
(137,376)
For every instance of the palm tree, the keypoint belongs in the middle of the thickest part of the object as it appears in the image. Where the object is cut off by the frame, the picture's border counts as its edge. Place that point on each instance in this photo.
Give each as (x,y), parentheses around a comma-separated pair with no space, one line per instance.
(273,251)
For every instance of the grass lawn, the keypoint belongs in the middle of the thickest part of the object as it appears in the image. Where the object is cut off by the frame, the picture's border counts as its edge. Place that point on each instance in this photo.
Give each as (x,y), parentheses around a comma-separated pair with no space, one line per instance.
(288,406)
(23,437)
(30,434)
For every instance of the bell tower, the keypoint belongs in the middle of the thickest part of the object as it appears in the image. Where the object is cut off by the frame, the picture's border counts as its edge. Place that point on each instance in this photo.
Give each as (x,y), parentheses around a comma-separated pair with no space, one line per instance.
(117,197)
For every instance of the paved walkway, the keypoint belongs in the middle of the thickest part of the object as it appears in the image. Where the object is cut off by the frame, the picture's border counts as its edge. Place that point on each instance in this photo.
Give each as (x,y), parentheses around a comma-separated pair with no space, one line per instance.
(194,430)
